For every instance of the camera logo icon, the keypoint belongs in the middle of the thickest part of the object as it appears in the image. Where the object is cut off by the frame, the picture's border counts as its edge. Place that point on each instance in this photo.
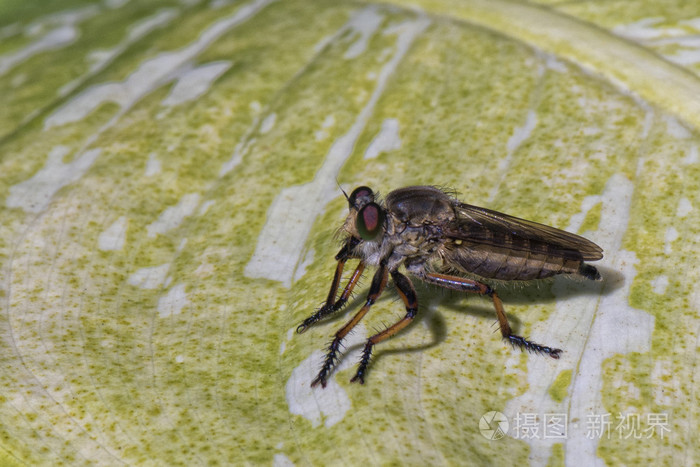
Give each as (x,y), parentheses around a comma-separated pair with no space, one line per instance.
(493,425)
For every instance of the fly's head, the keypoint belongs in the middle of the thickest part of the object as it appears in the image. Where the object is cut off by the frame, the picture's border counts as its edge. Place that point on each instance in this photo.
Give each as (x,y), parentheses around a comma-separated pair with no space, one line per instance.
(366,219)
(366,223)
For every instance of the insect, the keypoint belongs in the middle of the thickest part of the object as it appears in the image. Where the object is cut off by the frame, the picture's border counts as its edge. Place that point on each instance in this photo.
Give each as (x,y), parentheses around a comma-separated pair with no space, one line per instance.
(439,240)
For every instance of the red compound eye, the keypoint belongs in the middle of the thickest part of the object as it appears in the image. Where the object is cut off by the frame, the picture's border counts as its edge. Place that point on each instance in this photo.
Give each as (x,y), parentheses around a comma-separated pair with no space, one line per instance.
(370,221)
(361,193)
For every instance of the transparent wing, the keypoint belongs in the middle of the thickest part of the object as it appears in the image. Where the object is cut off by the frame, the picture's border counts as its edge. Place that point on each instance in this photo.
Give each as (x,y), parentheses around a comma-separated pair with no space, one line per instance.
(486,227)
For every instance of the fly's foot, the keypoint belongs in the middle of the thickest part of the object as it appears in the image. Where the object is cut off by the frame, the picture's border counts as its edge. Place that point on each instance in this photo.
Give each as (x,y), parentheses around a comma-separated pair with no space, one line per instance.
(359,377)
(306,324)
(533,347)
(362,368)
(328,364)
(301,329)
(320,379)
(324,311)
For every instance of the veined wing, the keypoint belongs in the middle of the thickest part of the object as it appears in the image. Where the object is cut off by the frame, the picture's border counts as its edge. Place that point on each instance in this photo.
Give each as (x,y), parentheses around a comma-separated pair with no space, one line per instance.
(486,227)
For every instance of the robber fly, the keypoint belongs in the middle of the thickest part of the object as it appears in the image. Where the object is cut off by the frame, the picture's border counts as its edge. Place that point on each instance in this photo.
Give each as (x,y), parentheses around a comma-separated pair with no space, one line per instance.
(439,239)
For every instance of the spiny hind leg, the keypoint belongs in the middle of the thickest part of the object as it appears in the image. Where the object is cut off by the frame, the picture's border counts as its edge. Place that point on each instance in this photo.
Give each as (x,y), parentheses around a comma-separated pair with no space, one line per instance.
(471,286)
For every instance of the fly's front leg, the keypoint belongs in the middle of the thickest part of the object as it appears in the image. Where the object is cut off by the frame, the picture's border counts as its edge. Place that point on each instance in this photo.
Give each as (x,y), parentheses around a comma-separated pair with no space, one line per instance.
(375,290)
(408,295)
(467,285)
(331,305)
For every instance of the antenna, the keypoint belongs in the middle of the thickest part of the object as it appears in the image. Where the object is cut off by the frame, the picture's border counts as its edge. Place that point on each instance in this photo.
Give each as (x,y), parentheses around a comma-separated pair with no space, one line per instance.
(341,189)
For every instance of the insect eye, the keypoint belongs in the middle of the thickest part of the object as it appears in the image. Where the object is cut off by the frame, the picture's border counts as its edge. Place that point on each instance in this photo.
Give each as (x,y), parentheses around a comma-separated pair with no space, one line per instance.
(361,195)
(370,221)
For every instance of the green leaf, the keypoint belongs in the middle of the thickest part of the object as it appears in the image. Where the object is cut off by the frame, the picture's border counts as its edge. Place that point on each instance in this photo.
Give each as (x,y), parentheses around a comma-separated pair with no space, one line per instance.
(169,199)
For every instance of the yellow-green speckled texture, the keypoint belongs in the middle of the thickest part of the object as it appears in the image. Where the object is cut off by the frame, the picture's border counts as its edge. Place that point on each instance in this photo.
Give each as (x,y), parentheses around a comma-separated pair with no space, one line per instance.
(168,205)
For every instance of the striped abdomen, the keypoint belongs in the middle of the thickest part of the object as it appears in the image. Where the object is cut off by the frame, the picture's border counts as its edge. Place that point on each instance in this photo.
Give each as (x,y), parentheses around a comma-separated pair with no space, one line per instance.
(526,262)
